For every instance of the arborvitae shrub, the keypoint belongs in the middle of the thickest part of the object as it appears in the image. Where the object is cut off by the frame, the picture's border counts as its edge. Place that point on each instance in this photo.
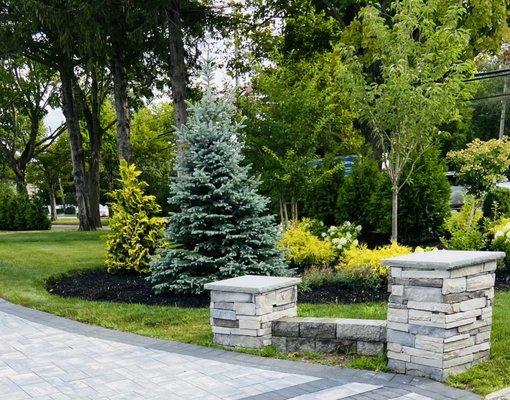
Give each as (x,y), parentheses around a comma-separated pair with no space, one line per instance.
(497,203)
(20,212)
(222,229)
(136,229)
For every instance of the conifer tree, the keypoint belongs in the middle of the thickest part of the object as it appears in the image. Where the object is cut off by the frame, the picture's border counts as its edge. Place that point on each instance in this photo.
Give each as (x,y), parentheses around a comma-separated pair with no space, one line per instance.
(136,230)
(222,229)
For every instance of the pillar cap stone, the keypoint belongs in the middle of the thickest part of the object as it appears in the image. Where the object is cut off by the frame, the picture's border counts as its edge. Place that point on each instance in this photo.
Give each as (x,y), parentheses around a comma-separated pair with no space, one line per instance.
(252,284)
(444,259)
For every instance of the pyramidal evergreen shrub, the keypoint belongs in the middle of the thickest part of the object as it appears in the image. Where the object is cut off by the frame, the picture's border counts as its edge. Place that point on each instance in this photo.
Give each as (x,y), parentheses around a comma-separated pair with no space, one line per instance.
(136,230)
(222,229)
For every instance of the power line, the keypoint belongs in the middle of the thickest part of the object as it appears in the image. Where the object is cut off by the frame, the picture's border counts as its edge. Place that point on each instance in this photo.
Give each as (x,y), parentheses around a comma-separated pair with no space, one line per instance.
(494,96)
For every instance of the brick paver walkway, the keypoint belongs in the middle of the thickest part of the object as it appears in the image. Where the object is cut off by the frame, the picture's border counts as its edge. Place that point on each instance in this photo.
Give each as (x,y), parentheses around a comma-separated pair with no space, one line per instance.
(46,357)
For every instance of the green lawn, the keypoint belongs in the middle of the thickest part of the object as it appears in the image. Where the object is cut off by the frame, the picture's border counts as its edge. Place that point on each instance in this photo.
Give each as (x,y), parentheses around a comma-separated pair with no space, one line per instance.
(27,259)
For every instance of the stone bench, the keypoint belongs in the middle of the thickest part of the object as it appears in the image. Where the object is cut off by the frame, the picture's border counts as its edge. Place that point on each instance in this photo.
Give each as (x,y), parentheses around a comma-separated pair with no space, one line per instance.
(330,335)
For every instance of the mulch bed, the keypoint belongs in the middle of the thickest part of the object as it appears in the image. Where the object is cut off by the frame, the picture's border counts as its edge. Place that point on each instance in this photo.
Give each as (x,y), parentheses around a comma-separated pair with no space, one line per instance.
(132,288)
(100,285)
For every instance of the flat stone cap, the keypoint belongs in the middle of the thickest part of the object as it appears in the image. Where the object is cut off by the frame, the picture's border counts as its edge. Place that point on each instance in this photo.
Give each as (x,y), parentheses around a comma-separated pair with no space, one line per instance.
(252,284)
(444,259)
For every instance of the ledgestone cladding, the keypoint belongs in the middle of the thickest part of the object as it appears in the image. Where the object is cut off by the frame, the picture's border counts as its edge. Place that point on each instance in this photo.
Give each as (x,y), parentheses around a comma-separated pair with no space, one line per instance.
(243,308)
(330,335)
(440,311)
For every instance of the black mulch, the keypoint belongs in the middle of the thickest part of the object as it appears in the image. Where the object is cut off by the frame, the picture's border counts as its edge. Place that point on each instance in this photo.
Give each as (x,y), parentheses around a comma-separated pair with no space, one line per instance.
(100,285)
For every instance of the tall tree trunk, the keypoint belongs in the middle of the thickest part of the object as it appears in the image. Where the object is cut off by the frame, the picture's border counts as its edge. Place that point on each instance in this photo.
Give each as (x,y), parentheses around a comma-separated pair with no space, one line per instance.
(91,113)
(502,118)
(394,213)
(96,137)
(120,88)
(177,63)
(53,204)
(20,177)
(77,155)
(120,80)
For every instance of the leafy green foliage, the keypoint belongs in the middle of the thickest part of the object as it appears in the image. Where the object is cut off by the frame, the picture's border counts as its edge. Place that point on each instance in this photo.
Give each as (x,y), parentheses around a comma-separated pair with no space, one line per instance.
(304,249)
(482,164)
(363,197)
(424,201)
(419,54)
(136,230)
(300,116)
(19,212)
(464,228)
(496,203)
(222,229)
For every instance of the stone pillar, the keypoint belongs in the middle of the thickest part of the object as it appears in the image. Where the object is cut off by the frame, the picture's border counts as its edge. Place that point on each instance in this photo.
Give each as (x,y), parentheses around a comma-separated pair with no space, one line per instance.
(243,308)
(440,311)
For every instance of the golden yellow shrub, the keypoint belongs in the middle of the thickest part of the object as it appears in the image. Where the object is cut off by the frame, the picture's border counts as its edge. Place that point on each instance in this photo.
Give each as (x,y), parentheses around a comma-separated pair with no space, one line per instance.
(361,261)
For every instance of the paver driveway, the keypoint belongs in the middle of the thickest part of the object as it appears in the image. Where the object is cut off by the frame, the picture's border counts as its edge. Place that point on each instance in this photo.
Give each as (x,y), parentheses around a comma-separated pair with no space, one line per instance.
(46,357)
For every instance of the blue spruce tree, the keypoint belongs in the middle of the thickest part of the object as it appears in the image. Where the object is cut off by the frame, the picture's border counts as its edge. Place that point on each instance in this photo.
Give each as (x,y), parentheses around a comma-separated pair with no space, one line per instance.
(223,229)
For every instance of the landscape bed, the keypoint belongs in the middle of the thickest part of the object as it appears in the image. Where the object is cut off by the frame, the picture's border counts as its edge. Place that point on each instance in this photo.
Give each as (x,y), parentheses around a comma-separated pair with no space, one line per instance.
(27,260)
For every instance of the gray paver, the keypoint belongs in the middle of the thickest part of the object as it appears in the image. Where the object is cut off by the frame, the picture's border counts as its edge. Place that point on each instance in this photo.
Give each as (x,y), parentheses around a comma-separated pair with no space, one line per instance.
(47,357)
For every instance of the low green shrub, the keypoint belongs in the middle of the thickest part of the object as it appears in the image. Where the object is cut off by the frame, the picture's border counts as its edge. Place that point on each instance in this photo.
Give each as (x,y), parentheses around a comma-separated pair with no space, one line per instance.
(316,277)
(136,230)
(465,228)
(497,204)
(20,212)
(360,261)
(304,249)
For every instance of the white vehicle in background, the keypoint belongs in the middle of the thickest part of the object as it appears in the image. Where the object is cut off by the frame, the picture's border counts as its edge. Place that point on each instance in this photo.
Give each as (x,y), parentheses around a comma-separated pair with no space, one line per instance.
(103,211)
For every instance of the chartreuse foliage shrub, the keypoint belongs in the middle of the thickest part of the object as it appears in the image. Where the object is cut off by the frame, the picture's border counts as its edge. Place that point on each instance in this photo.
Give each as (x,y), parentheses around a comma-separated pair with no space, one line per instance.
(360,261)
(222,228)
(497,203)
(303,248)
(19,212)
(501,240)
(136,229)
(464,228)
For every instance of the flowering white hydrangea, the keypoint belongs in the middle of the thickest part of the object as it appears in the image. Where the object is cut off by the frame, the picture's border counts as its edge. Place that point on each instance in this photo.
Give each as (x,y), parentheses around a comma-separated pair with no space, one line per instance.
(342,237)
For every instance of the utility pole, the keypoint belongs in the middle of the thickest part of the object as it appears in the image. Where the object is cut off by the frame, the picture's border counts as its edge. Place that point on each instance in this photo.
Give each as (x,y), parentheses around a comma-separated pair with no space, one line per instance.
(502,118)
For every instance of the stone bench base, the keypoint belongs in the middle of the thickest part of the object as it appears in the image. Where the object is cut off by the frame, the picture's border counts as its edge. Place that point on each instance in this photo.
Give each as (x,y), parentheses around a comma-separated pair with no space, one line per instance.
(330,335)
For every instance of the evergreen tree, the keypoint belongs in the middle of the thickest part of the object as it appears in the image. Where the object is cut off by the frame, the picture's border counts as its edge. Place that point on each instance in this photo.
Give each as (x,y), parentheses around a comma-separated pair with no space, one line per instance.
(222,229)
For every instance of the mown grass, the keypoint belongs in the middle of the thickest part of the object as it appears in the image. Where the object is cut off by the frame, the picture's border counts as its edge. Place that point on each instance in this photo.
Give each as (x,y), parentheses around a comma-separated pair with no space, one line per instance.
(28,259)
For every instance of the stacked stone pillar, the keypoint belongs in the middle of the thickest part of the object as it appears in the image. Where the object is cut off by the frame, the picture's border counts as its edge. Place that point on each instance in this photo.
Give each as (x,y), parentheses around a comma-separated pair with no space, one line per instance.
(243,308)
(440,311)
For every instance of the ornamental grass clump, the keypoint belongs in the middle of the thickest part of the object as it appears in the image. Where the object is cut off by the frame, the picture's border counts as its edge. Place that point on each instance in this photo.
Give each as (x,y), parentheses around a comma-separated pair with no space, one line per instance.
(222,228)
(136,229)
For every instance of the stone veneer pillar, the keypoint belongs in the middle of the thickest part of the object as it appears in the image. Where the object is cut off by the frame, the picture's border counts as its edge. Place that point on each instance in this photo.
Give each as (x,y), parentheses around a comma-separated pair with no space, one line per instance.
(440,311)
(243,308)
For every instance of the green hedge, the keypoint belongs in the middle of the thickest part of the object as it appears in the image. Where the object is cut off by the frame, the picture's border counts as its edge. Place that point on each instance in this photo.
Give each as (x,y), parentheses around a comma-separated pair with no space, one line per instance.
(19,212)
